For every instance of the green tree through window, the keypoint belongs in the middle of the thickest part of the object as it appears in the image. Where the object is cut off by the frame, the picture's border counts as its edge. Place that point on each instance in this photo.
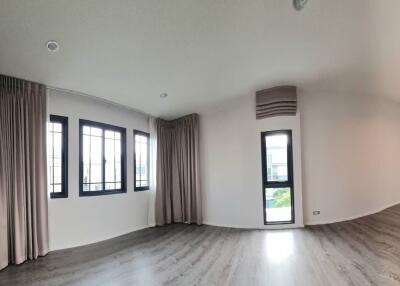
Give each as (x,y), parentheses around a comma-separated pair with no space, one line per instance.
(282,198)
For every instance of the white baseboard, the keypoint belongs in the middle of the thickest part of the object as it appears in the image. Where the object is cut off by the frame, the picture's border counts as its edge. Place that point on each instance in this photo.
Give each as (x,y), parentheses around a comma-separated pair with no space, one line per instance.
(289,226)
(282,226)
(352,217)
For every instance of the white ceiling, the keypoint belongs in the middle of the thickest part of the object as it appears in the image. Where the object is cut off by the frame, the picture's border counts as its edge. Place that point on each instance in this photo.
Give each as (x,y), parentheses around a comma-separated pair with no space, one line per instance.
(202,52)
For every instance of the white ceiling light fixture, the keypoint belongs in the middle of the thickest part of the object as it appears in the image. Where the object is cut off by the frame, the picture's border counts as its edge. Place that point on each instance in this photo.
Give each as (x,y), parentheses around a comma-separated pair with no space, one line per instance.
(52,46)
(163,95)
(299,4)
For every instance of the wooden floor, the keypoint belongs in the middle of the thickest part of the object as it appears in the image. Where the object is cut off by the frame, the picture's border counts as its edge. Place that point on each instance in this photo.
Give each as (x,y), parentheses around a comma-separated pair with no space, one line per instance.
(360,252)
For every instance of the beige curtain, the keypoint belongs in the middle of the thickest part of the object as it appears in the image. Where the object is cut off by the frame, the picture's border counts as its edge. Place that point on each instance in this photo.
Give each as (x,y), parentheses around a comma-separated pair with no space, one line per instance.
(178,196)
(23,178)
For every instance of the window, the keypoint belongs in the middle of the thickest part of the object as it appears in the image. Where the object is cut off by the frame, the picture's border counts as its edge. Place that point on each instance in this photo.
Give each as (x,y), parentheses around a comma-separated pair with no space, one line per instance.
(141,160)
(277,167)
(57,156)
(102,158)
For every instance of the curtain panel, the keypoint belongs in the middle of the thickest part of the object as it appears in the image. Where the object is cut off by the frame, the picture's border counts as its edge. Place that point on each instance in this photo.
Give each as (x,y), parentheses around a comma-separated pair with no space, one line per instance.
(23,177)
(178,193)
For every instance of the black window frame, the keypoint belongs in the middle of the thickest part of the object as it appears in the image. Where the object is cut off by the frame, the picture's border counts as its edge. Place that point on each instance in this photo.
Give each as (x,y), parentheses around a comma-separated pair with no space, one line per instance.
(138,132)
(103,126)
(278,184)
(63,120)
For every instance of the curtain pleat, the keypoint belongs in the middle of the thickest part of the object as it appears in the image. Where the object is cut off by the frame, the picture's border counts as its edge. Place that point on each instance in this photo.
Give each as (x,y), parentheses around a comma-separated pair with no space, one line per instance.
(23,177)
(178,194)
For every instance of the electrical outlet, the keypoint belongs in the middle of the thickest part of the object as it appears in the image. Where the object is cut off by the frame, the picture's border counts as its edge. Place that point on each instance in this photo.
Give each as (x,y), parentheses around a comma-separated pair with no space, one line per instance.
(316,212)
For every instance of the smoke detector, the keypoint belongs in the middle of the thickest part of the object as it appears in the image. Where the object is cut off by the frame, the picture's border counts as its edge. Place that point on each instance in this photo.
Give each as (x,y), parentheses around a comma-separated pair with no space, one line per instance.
(52,46)
(299,4)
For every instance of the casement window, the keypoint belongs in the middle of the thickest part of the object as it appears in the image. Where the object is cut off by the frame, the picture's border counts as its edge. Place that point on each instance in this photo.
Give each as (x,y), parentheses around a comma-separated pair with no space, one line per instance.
(277,168)
(57,156)
(141,160)
(102,158)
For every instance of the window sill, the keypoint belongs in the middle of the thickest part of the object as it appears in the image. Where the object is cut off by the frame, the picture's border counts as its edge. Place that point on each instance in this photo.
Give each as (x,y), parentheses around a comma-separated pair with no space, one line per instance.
(58,196)
(100,193)
(141,189)
(278,222)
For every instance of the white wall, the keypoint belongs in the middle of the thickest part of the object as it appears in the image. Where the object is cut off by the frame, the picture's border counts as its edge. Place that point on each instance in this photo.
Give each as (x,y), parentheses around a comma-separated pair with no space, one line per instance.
(231,164)
(350,149)
(350,146)
(81,220)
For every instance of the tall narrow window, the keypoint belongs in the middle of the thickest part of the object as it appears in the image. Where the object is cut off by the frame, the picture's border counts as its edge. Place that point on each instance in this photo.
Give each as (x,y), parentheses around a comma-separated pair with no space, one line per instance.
(102,158)
(57,156)
(141,160)
(277,168)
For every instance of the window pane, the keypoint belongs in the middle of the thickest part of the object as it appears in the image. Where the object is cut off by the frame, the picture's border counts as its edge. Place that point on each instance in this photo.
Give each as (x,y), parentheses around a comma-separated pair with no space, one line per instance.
(101,163)
(86,149)
(117,150)
(118,172)
(109,134)
(112,149)
(86,130)
(137,169)
(86,159)
(57,162)
(57,145)
(55,154)
(96,175)
(51,174)
(96,131)
(57,127)
(109,156)
(110,186)
(86,174)
(50,143)
(143,175)
(141,160)
(110,169)
(57,188)
(96,187)
(277,168)
(118,161)
(95,150)
(57,175)
(278,206)
(143,139)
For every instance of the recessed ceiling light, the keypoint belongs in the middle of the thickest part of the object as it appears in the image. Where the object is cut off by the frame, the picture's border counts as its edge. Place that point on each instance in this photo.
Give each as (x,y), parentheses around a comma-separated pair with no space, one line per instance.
(299,4)
(52,46)
(163,95)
